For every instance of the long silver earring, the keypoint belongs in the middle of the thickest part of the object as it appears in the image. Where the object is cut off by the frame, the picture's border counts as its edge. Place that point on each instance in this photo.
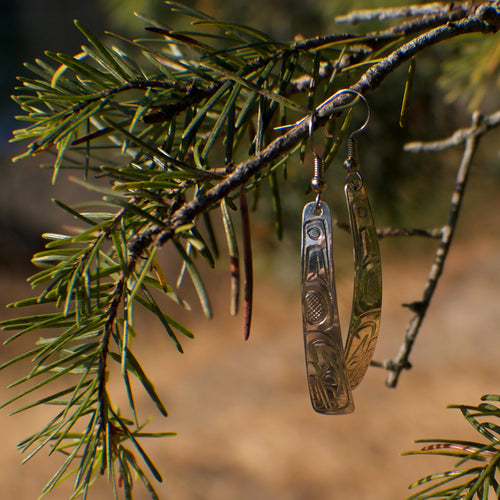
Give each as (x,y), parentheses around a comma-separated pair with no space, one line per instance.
(367,293)
(331,372)
(329,387)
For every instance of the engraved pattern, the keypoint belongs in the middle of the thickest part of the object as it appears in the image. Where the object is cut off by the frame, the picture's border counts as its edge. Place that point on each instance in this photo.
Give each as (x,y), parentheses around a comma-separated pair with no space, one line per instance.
(325,362)
(367,295)
(315,307)
(326,376)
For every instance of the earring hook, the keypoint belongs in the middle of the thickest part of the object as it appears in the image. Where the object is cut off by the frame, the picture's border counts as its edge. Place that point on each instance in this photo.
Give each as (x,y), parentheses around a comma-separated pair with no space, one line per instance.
(322,105)
(318,183)
(311,131)
(357,94)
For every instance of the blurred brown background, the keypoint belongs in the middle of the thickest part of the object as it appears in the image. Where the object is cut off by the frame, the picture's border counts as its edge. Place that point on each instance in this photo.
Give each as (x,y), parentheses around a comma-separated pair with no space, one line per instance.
(241,410)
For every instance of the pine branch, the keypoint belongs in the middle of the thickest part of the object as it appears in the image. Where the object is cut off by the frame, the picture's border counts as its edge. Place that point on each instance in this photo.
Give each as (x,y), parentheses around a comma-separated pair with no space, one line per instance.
(471,142)
(476,472)
(151,134)
(369,81)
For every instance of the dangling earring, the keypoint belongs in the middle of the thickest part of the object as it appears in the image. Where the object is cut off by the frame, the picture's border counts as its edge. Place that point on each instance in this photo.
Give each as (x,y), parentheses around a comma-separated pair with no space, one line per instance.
(331,372)
(329,387)
(367,293)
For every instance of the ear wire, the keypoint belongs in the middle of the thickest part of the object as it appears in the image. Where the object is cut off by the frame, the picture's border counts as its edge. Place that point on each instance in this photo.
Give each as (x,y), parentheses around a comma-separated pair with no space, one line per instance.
(316,111)
(357,94)
(351,163)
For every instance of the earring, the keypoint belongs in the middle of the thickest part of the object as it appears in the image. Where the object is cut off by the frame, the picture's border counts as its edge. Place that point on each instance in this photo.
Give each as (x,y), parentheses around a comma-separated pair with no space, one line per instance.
(367,294)
(331,372)
(329,388)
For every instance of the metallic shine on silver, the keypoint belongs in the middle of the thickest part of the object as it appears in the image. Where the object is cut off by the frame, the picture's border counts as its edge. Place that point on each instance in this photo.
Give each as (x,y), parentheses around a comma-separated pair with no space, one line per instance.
(331,373)
(327,377)
(367,294)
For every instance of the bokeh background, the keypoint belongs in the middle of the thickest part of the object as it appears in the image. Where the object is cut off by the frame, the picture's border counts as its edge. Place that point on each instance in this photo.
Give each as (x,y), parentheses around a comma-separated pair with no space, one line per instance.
(241,410)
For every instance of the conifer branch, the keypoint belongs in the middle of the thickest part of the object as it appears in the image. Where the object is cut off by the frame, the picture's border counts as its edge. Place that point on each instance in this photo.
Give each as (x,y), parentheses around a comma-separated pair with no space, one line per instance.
(150,136)
(369,81)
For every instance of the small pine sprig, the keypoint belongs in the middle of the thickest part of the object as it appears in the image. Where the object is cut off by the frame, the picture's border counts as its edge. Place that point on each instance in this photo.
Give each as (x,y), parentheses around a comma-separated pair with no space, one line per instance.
(477,472)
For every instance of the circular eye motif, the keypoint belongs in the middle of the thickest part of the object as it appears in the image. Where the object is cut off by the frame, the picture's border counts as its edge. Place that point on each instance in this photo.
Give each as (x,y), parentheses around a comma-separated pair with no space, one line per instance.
(316,307)
(314,233)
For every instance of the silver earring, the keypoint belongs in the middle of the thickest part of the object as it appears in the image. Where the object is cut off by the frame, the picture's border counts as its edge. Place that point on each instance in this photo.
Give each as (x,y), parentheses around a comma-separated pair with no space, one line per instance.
(331,371)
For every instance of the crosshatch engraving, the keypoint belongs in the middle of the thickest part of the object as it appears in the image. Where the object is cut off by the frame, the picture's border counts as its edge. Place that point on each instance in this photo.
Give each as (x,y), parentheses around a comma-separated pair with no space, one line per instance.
(329,387)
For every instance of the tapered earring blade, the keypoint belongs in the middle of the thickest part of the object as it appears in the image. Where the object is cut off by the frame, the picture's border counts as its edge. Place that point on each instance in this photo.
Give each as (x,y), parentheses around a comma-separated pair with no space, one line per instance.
(367,294)
(329,387)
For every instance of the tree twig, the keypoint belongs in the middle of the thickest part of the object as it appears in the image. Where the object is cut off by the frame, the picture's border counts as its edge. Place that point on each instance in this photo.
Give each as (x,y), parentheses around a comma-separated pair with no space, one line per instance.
(401,361)
(390,232)
(457,138)
(428,9)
